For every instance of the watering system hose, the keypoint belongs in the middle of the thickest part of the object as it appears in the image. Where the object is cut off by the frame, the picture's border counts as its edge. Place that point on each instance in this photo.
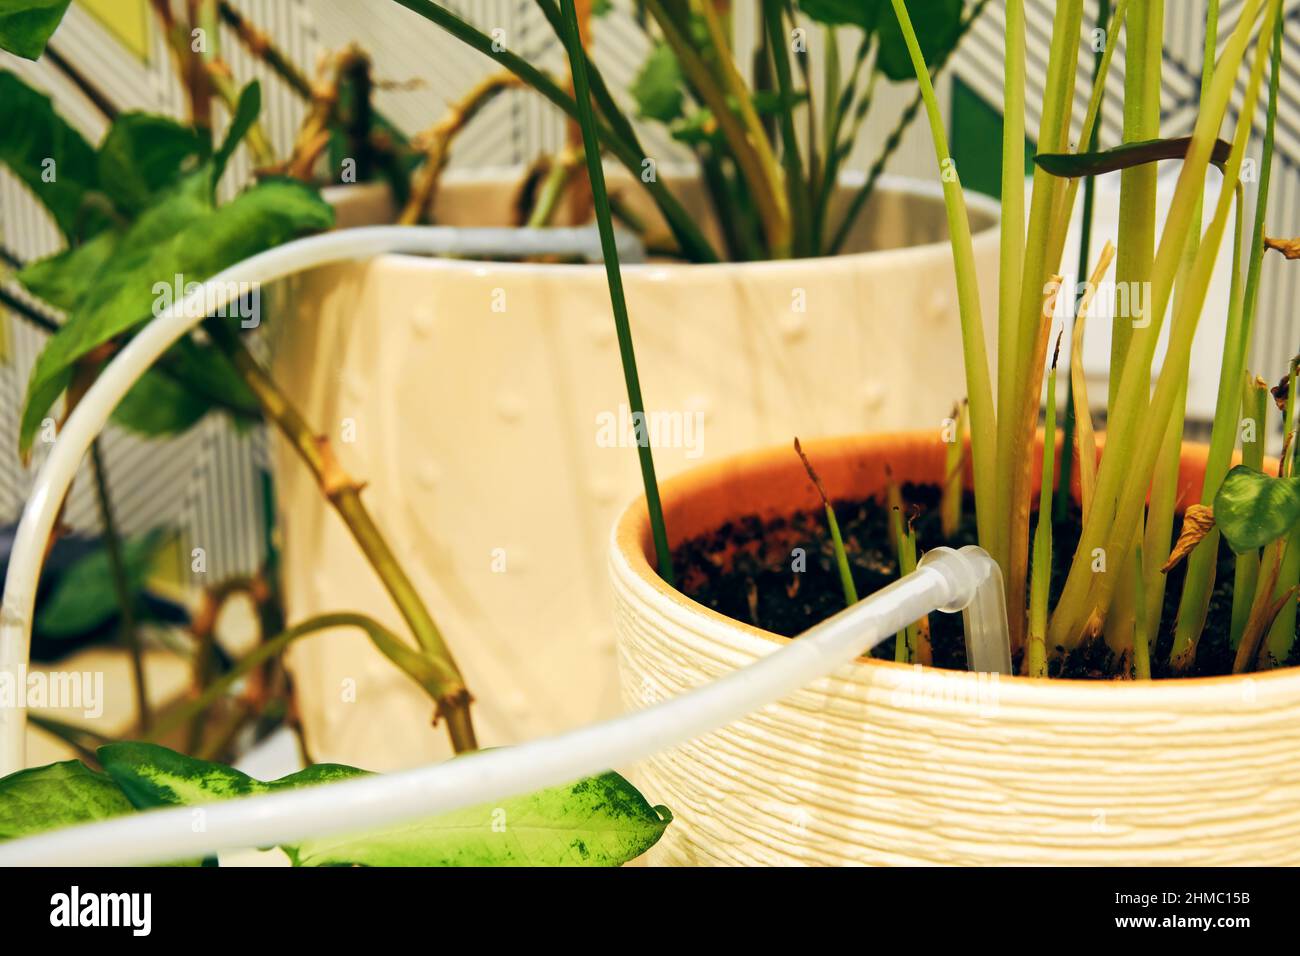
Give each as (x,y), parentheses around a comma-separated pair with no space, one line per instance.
(946,580)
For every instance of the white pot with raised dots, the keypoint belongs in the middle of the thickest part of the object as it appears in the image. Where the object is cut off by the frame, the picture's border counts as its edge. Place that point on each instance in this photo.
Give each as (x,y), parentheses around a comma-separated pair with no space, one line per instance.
(484,405)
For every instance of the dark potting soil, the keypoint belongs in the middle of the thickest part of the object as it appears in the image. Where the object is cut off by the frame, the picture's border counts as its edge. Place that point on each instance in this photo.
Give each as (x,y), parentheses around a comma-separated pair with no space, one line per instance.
(745,570)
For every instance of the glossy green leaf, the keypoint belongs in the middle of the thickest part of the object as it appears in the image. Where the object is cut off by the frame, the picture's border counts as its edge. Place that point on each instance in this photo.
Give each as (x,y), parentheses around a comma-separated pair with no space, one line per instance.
(182,235)
(599,821)
(938,28)
(84,598)
(141,156)
(657,89)
(1075,165)
(27,25)
(863,14)
(51,158)
(1252,509)
(55,796)
(246,111)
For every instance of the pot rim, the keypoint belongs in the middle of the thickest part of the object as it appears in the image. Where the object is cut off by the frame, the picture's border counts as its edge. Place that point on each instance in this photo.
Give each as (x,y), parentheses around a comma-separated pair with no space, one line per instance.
(658,271)
(630,543)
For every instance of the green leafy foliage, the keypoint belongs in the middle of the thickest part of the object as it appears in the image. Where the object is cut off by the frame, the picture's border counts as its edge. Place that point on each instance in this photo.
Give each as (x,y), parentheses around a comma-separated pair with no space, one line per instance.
(58,795)
(864,14)
(657,89)
(84,598)
(184,235)
(142,155)
(61,279)
(598,821)
(51,158)
(27,25)
(196,378)
(1252,508)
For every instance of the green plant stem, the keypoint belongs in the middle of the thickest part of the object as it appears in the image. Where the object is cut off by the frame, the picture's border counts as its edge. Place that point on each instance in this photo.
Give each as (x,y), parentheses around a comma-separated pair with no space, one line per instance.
(890,146)
(1161,500)
(121,587)
(735,86)
(1012,250)
(260,45)
(1061,498)
(768,196)
(1254,404)
(905,643)
(1040,578)
(1135,251)
(553,186)
(1015,355)
(80,739)
(344,494)
(983,425)
(1270,594)
(1281,633)
(1194,603)
(1134,439)
(414,665)
(795,182)
(605,225)
(953,486)
(683,226)
(1141,629)
(837,540)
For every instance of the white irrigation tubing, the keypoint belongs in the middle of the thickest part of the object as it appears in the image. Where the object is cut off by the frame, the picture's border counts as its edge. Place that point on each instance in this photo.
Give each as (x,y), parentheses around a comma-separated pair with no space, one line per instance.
(86,421)
(947,580)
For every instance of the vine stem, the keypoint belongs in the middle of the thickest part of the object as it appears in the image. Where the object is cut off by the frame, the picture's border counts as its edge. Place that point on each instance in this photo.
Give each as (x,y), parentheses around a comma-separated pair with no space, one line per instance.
(390,645)
(344,494)
(121,586)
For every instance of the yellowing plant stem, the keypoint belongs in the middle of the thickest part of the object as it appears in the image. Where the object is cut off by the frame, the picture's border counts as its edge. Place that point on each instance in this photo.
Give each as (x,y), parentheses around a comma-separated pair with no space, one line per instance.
(1041,576)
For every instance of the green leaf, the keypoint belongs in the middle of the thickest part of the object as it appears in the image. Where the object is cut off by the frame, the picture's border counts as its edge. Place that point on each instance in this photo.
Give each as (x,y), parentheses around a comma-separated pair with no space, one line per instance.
(51,158)
(59,795)
(182,235)
(598,821)
(1126,156)
(171,400)
(1252,509)
(938,28)
(84,598)
(27,25)
(63,278)
(159,405)
(657,89)
(246,111)
(141,155)
(864,14)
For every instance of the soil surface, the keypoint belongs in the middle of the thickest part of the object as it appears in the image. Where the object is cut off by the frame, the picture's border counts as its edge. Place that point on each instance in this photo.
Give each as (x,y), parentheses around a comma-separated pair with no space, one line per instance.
(745,570)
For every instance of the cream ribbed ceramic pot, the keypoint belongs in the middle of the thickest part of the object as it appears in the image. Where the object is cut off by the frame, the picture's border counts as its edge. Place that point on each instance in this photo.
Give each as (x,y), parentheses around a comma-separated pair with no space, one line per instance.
(484,404)
(886,764)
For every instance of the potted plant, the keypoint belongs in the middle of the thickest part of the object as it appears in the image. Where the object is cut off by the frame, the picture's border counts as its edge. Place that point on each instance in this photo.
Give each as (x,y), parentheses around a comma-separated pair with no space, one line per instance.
(138,211)
(519,361)
(1149,710)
